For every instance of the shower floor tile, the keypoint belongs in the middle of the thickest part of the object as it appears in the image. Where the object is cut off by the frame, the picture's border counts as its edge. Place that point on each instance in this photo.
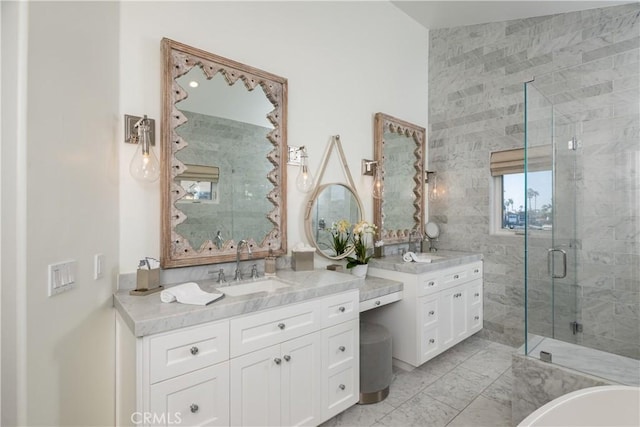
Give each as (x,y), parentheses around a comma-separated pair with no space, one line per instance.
(608,366)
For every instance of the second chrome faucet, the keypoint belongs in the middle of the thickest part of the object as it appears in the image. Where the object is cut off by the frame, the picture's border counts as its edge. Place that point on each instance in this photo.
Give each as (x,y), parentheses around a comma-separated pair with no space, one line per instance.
(241,243)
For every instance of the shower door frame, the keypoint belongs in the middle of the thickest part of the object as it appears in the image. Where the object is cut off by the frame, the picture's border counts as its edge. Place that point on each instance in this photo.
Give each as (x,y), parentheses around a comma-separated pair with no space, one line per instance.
(561,252)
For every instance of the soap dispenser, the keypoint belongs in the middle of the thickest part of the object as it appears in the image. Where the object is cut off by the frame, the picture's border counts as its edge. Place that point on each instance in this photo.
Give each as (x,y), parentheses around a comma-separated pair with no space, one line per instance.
(270,264)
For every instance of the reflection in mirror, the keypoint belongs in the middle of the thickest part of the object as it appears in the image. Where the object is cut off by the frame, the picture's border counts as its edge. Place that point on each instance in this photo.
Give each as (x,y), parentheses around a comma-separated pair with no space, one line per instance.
(333,204)
(224,135)
(399,149)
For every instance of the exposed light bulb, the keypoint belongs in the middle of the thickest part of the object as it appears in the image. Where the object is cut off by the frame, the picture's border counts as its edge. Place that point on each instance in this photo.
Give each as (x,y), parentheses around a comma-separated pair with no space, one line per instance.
(304,180)
(376,188)
(433,194)
(144,165)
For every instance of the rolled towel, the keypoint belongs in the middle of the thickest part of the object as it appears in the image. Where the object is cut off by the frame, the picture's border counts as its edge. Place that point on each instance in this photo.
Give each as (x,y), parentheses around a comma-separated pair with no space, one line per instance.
(408,257)
(189,293)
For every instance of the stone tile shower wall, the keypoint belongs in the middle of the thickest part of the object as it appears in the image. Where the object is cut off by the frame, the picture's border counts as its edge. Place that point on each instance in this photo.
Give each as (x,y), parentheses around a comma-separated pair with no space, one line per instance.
(240,151)
(587,64)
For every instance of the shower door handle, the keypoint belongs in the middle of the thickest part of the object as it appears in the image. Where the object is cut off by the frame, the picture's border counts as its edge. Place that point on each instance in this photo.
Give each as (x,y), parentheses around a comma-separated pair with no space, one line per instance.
(550,269)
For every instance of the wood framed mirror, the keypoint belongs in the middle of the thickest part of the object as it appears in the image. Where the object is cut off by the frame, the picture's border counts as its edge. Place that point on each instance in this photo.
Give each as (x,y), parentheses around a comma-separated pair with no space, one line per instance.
(399,150)
(223,158)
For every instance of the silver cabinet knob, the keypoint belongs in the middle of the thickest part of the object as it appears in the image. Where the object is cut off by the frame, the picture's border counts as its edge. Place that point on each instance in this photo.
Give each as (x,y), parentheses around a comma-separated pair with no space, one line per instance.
(286,357)
(377,302)
(456,276)
(431,313)
(477,270)
(194,350)
(277,360)
(430,283)
(342,386)
(194,408)
(431,341)
(342,348)
(281,325)
(341,309)
(476,294)
(477,317)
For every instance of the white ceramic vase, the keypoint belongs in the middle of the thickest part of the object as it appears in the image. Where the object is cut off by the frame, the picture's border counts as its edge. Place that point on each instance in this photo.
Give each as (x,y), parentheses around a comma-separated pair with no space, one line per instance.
(360,270)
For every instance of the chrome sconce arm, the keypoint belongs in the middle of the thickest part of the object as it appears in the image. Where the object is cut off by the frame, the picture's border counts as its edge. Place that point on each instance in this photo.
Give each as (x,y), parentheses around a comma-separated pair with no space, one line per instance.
(299,156)
(374,169)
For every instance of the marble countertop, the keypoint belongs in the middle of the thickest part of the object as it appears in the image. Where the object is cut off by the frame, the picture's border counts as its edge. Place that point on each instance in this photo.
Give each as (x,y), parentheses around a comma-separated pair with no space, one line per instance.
(375,287)
(146,315)
(449,259)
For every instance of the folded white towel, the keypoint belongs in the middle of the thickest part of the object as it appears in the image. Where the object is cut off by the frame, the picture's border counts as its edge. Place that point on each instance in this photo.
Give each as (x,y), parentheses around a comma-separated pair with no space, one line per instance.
(412,257)
(408,256)
(189,293)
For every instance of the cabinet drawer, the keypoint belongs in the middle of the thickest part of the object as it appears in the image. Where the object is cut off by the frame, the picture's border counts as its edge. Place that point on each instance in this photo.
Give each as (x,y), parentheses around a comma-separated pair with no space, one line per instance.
(456,276)
(199,398)
(429,284)
(340,308)
(256,331)
(176,353)
(342,391)
(429,309)
(475,293)
(430,343)
(340,344)
(475,318)
(380,301)
(475,270)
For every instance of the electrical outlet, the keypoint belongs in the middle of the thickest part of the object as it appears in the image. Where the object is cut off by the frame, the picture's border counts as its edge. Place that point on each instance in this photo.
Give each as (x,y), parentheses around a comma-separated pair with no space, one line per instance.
(62,276)
(98,266)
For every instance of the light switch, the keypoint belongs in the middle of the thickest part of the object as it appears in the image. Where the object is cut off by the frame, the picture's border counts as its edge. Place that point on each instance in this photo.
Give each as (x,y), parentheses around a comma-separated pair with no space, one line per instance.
(98,266)
(62,276)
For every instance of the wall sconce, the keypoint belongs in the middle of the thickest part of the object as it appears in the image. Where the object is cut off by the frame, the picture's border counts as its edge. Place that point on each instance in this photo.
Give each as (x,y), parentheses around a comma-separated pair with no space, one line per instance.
(370,168)
(299,156)
(434,193)
(144,166)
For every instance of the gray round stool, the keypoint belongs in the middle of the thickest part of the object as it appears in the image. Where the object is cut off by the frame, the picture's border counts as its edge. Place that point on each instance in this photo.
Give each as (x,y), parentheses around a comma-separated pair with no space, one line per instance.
(375,362)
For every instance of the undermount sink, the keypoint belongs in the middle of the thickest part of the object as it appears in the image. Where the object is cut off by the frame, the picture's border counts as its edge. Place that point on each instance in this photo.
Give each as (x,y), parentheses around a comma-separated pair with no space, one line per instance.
(267,285)
(423,257)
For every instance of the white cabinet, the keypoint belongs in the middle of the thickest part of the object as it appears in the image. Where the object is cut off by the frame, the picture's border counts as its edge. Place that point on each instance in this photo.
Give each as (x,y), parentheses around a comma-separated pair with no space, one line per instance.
(199,398)
(297,364)
(340,367)
(278,385)
(428,312)
(308,373)
(438,310)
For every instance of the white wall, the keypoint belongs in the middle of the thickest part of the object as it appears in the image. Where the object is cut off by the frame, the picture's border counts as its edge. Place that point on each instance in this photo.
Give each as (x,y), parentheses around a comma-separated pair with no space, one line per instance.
(66,207)
(345,61)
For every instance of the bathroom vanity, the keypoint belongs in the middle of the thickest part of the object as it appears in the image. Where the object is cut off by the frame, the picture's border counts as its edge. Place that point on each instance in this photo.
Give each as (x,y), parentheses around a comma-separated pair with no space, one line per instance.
(289,356)
(441,304)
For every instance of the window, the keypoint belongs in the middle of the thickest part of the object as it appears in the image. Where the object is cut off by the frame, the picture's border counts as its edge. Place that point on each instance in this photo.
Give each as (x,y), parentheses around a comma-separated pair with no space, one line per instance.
(510,197)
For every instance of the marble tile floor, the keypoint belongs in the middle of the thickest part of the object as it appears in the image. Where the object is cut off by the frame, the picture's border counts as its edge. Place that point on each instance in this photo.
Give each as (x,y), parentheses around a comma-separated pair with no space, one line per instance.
(468,385)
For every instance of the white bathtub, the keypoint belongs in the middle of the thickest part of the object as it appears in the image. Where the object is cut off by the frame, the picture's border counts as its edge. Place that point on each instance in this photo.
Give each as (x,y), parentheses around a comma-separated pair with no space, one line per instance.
(594,406)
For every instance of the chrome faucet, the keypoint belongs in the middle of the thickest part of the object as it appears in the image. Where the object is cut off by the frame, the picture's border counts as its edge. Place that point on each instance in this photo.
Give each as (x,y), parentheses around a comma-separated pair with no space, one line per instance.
(254,271)
(243,242)
(221,278)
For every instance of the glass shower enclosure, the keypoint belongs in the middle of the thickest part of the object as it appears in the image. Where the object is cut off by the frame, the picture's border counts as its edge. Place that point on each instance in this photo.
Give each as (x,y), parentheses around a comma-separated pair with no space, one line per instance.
(582,283)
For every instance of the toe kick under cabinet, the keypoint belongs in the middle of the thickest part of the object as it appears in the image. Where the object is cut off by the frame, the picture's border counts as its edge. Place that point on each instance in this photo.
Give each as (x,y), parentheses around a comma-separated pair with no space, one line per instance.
(438,310)
(297,364)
